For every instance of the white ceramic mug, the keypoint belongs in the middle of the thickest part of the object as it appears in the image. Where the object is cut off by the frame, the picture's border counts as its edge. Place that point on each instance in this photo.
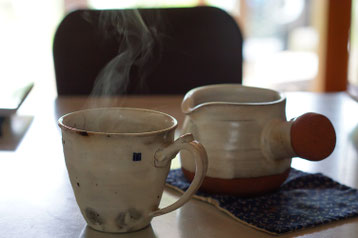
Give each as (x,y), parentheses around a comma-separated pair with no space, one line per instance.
(118,160)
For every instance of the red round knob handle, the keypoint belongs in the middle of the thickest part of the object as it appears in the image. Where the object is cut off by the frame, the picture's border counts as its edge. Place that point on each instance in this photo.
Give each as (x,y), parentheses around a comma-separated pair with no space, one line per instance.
(313,136)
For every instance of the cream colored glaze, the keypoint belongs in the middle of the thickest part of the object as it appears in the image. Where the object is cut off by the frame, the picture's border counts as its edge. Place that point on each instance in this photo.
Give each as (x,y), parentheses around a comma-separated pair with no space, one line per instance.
(238,127)
(228,120)
(118,159)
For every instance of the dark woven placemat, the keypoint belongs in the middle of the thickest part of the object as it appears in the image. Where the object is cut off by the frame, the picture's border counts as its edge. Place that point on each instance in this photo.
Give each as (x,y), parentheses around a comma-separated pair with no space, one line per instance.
(305,200)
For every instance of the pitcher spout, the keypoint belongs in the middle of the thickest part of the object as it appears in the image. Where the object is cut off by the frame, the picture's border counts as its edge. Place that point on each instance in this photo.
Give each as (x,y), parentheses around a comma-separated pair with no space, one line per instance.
(188,103)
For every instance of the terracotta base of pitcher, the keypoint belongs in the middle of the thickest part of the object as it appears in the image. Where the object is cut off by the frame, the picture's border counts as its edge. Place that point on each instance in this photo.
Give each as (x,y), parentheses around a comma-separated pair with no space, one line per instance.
(244,187)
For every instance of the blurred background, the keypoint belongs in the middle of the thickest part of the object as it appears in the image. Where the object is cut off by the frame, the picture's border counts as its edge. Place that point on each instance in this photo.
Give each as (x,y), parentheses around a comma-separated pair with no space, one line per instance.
(289,44)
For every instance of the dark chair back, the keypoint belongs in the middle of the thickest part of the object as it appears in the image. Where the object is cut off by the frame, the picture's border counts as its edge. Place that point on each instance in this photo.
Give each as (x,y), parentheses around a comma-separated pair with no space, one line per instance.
(175,50)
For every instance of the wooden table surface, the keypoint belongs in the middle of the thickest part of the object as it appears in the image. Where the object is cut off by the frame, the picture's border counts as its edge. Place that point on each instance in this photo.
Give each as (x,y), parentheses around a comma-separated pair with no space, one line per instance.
(36,198)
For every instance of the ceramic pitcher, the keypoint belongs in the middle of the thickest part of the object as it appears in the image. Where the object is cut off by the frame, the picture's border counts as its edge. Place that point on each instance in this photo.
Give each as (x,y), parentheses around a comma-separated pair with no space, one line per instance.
(248,139)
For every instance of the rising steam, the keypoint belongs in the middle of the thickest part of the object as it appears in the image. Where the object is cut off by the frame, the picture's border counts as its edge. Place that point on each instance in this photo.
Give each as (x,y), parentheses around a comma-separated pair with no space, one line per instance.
(136,45)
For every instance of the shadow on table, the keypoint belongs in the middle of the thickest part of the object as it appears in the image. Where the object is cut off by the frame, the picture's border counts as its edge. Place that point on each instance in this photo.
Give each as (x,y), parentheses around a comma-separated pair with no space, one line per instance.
(88,232)
(12,130)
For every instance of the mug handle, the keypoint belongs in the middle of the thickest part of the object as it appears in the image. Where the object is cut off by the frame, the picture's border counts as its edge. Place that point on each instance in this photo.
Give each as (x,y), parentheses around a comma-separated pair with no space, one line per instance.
(163,156)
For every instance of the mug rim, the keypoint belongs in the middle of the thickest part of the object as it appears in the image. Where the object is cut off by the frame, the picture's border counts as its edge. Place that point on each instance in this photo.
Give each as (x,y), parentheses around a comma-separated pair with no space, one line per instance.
(63,126)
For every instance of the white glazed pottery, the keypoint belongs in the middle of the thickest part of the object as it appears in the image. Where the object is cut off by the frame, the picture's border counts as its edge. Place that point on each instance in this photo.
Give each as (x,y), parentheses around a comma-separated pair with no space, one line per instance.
(118,159)
(248,140)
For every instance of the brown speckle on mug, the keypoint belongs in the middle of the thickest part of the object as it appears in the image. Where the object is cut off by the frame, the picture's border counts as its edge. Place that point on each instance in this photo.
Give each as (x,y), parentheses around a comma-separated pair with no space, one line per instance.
(82,133)
(155,207)
(127,218)
(93,216)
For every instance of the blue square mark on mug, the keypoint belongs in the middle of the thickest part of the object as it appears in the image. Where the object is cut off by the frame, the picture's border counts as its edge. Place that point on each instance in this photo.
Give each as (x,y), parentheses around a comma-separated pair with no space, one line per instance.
(137,156)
